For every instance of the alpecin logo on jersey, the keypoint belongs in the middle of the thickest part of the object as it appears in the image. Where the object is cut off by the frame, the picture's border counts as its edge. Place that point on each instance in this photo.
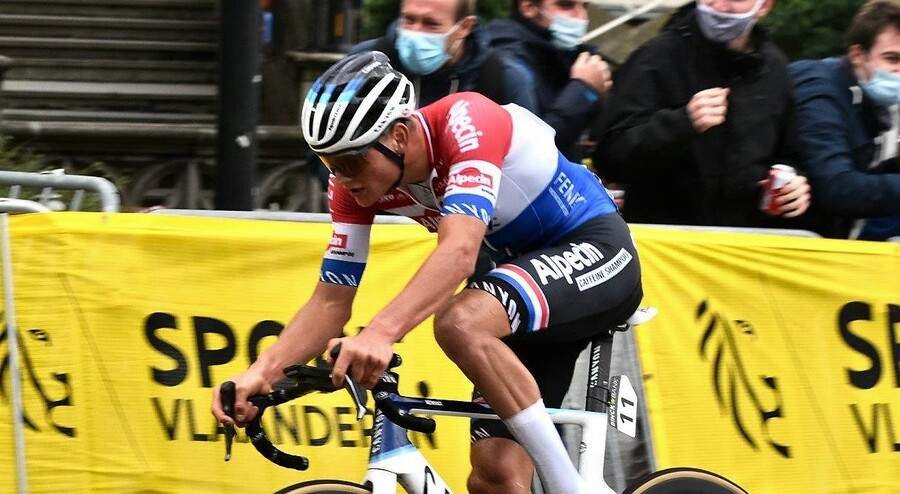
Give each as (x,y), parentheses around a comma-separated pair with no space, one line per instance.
(460,124)
(338,240)
(576,259)
(470,177)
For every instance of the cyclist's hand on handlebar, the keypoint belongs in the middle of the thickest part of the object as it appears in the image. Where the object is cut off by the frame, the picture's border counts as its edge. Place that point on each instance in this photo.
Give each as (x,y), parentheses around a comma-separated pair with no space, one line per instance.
(364,357)
(247,384)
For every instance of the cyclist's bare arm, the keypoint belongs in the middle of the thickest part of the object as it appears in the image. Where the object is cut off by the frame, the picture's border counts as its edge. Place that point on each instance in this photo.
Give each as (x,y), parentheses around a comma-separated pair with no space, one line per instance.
(320,319)
(436,281)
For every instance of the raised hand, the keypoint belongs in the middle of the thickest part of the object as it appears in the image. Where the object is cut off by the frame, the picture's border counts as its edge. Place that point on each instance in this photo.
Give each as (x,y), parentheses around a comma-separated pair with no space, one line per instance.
(708,108)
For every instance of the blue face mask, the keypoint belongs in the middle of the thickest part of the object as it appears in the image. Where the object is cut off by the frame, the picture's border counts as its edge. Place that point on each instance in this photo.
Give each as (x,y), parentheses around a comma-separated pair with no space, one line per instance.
(883,88)
(722,27)
(422,53)
(566,32)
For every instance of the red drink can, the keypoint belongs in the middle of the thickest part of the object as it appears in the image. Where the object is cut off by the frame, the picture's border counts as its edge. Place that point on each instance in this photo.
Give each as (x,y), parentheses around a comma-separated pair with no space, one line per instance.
(779,176)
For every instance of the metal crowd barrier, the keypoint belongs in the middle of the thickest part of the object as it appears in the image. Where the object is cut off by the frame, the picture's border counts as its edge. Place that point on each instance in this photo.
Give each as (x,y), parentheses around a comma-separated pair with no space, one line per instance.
(275,215)
(735,229)
(50,181)
(10,205)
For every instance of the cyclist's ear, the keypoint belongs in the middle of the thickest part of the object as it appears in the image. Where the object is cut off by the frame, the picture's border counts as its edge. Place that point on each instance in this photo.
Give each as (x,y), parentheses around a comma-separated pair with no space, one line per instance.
(398,136)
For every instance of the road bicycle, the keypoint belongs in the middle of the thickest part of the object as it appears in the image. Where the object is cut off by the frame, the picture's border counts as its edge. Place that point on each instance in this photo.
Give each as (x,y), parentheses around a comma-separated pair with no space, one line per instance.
(393,459)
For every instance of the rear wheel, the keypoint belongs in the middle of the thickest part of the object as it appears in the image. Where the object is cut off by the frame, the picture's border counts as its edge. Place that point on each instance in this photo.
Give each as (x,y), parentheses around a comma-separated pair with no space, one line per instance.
(325,487)
(683,480)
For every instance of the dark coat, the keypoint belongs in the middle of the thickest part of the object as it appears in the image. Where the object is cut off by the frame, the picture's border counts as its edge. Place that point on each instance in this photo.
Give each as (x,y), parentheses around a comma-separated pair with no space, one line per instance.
(837,132)
(545,88)
(672,173)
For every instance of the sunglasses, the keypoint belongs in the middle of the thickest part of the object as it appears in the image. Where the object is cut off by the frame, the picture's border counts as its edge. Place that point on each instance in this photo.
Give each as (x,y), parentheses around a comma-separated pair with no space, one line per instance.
(346,165)
(350,165)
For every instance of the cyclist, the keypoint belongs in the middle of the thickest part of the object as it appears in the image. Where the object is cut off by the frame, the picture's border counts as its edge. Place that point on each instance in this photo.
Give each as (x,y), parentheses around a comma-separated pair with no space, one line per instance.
(485,178)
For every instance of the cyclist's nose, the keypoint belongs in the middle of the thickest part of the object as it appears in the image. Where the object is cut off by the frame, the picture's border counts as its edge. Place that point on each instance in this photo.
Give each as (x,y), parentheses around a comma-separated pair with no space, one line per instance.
(340,178)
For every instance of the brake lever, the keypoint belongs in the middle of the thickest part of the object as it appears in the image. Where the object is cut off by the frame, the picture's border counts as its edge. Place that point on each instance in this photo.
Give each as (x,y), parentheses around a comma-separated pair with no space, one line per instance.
(359,395)
(356,390)
(227,396)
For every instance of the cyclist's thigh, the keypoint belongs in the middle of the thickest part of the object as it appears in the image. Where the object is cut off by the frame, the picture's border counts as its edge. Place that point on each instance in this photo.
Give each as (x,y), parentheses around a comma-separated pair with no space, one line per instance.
(587,276)
(551,363)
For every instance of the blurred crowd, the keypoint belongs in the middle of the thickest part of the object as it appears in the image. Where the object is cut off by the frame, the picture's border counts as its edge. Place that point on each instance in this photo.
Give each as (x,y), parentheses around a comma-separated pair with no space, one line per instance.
(688,129)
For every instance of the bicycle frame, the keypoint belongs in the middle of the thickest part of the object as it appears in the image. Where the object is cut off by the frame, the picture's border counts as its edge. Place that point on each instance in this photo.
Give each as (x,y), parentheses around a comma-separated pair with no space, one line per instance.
(394,459)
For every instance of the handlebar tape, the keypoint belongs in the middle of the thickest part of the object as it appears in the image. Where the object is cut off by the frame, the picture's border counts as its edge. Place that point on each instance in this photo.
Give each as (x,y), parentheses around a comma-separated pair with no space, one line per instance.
(270,452)
(257,435)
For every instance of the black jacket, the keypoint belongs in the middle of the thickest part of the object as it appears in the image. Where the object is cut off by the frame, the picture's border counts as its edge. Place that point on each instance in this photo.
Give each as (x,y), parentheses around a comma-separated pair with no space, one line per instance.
(672,173)
(545,88)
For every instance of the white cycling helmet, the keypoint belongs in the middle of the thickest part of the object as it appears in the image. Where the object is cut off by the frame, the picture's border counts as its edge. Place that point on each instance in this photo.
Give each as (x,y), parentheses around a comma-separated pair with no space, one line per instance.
(353,103)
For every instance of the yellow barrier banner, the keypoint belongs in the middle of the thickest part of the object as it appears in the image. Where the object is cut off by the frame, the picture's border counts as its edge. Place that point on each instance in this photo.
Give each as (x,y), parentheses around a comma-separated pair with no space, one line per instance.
(774,360)
(127,321)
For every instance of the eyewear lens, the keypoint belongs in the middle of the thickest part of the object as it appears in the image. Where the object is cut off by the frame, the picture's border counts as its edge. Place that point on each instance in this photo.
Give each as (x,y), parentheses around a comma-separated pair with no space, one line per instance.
(346,165)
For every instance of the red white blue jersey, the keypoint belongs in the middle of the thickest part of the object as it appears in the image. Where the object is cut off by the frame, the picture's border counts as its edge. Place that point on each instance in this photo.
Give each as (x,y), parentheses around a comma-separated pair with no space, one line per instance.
(496,163)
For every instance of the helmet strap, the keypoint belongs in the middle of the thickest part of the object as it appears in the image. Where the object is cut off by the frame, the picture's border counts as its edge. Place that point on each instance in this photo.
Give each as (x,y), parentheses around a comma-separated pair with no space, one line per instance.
(395,157)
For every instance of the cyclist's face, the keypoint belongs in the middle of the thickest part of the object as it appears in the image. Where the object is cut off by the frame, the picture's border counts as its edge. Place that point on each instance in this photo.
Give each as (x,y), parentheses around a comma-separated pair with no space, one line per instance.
(367,176)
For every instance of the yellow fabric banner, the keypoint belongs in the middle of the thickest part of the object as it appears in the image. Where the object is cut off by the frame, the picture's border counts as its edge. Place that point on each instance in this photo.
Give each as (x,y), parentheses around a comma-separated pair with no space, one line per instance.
(126,321)
(774,360)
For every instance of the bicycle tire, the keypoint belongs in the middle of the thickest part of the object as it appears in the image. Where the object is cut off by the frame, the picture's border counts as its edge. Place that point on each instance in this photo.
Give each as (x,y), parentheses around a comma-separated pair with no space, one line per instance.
(684,480)
(326,487)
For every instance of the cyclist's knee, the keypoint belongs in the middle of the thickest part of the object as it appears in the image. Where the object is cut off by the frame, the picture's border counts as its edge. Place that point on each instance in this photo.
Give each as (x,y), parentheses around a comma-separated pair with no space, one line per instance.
(500,466)
(467,316)
(450,324)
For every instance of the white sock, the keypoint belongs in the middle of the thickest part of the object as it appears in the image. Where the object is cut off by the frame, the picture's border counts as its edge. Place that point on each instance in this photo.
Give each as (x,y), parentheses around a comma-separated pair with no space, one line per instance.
(535,431)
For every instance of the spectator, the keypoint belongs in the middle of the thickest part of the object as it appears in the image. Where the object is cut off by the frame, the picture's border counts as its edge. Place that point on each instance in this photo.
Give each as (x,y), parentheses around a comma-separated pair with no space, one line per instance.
(697,117)
(441,46)
(843,115)
(564,79)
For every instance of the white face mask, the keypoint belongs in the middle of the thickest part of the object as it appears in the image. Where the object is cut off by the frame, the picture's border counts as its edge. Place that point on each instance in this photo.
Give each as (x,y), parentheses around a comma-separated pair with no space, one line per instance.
(883,88)
(722,27)
(423,53)
(566,32)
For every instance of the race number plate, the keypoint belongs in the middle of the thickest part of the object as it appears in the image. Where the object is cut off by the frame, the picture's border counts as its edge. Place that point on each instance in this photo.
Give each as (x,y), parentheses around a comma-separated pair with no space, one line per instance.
(623,405)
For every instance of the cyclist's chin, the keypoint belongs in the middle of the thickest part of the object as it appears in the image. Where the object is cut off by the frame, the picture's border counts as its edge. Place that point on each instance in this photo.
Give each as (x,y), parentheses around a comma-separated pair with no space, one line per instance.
(368,195)
(364,197)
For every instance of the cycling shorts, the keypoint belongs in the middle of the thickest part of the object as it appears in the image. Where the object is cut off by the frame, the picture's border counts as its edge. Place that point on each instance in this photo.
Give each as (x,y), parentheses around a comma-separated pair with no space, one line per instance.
(557,298)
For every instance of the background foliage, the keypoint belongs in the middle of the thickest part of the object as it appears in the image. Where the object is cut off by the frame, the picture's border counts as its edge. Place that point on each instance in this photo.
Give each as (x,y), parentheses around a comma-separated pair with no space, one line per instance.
(19,158)
(811,28)
(802,28)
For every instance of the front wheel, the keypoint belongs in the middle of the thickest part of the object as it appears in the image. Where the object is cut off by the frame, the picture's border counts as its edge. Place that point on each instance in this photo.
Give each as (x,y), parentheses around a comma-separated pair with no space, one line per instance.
(684,480)
(325,487)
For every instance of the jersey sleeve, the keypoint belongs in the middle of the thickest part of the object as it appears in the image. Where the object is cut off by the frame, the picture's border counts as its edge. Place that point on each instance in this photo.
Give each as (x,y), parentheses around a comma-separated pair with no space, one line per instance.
(348,250)
(476,134)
